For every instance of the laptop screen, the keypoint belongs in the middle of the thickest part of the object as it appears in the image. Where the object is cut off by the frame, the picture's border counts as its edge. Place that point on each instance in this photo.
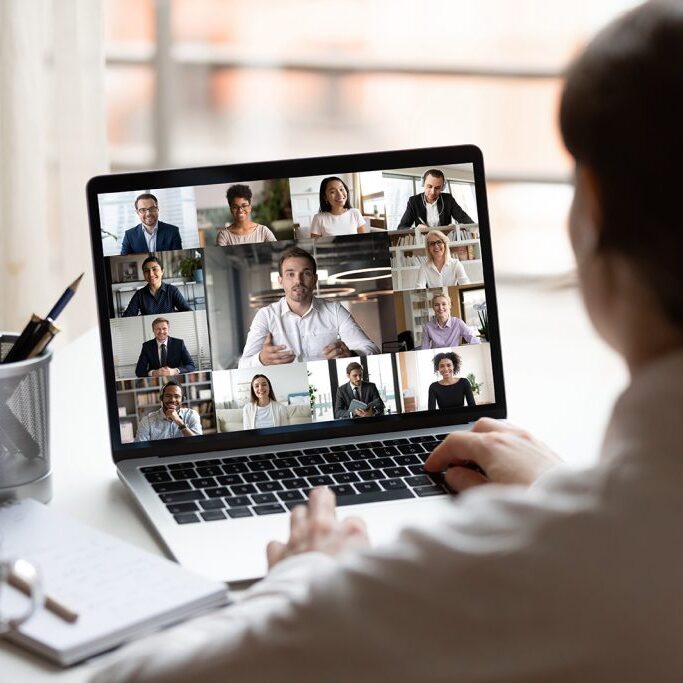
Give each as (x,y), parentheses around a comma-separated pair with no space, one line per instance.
(278,302)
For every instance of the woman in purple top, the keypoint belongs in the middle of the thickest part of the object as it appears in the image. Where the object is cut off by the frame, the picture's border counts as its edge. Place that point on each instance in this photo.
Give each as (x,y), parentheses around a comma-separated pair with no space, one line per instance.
(445,330)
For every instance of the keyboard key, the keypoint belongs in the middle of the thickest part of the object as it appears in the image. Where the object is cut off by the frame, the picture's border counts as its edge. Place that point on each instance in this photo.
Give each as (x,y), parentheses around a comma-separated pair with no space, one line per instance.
(282,474)
(183,474)
(203,482)
(417,469)
(270,509)
(237,501)
(345,477)
(218,492)
(343,489)
(177,508)
(332,468)
(294,483)
(212,471)
(242,489)
(289,454)
(357,465)
(396,472)
(336,457)
(307,471)
(425,491)
(420,480)
(381,463)
(182,496)
(232,479)
(367,486)
(411,448)
(343,447)
(269,486)
(261,498)
(362,454)
(234,458)
(320,480)
(172,486)
(425,438)
(212,504)
(371,444)
(239,512)
(157,477)
(153,468)
(395,442)
(407,460)
(440,437)
(235,467)
(252,477)
(186,518)
(310,460)
(386,450)
(370,475)
(289,496)
(180,466)
(261,466)
(316,451)
(212,461)
(212,515)
(285,462)
(260,457)
(374,497)
(392,484)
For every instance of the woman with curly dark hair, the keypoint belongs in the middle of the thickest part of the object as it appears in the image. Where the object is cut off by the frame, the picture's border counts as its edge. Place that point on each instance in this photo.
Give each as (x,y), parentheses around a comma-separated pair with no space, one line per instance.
(450,391)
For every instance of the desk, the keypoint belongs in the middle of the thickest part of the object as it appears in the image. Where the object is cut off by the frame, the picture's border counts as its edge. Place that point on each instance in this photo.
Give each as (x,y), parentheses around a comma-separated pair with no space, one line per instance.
(561,381)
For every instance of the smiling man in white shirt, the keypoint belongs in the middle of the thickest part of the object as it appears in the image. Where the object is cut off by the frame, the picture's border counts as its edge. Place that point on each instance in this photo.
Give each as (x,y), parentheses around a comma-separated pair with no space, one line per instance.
(300,327)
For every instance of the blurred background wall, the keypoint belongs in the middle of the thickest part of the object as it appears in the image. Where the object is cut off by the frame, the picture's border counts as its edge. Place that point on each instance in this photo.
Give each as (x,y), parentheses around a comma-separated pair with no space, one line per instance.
(94,85)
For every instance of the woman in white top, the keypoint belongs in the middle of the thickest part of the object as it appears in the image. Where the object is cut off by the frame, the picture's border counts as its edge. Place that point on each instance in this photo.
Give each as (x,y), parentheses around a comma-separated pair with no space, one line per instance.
(263,410)
(336,216)
(242,230)
(441,269)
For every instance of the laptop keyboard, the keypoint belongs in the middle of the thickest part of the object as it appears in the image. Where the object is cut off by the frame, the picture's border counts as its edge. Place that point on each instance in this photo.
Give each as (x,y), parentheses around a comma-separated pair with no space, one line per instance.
(271,483)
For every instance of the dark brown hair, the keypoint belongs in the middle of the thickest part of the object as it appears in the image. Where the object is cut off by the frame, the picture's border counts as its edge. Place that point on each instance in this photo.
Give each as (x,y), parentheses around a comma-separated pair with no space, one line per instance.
(453,357)
(324,204)
(271,394)
(296,252)
(621,117)
(146,195)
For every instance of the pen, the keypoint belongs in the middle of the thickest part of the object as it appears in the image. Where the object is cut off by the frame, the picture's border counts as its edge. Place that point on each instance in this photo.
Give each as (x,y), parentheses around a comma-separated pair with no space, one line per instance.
(39,332)
(57,608)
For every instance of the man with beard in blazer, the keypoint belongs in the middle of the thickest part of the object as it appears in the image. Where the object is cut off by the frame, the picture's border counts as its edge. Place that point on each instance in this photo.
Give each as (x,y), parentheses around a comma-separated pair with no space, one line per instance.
(433,207)
(163,356)
(150,234)
(359,390)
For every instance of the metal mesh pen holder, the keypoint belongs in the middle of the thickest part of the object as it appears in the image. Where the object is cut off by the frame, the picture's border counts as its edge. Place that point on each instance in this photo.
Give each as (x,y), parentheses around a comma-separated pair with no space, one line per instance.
(24,426)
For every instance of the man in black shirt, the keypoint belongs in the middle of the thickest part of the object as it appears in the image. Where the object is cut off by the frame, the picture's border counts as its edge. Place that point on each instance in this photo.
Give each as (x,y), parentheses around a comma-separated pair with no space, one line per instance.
(157,296)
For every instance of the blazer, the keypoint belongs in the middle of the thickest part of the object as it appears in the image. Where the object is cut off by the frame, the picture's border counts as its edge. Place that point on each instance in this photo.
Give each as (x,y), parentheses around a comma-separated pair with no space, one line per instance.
(368,394)
(134,242)
(280,414)
(177,356)
(449,210)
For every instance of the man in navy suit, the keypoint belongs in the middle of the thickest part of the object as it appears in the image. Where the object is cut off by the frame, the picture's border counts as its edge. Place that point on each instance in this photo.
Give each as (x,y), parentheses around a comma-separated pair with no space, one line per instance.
(163,356)
(433,207)
(357,389)
(150,234)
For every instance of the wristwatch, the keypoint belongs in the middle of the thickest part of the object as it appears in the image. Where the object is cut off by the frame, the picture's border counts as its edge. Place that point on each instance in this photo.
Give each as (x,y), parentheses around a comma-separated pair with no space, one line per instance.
(182,426)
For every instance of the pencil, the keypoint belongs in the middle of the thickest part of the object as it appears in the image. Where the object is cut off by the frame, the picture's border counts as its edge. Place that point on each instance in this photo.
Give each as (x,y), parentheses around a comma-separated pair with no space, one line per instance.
(57,608)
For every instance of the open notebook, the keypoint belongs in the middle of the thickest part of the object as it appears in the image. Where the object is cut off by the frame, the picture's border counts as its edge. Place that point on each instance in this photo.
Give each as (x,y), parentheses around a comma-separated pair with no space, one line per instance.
(119,591)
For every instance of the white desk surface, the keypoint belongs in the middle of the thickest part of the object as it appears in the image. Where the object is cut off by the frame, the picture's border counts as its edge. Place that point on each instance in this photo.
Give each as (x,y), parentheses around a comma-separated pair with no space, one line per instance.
(561,382)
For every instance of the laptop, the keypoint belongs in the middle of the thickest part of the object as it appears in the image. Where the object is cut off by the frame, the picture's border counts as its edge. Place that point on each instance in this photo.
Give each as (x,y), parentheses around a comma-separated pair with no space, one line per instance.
(271,327)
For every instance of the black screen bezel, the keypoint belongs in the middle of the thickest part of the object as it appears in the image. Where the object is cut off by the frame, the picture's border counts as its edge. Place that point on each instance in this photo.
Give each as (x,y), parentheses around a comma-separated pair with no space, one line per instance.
(290,168)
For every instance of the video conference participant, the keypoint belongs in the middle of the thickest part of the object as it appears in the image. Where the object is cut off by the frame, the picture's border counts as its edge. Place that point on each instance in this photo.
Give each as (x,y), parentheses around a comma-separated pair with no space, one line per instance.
(445,329)
(150,234)
(359,390)
(301,327)
(441,269)
(156,296)
(263,410)
(163,355)
(433,207)
(242,230)
(170,421)
(450,391)
(336,215)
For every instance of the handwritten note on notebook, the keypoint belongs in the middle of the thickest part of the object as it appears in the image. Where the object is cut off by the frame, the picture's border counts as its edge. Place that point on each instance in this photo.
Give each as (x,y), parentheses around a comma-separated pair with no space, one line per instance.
(118,590)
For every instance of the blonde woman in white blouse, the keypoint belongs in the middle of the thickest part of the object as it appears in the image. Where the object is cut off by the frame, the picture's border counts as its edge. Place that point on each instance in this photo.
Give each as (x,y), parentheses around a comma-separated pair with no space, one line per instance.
(336,215)
(263,410)
(441,269)
(242,230)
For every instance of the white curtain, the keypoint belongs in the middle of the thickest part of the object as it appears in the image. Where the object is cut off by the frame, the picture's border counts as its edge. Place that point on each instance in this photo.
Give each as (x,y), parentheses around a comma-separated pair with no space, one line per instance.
(52,140)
